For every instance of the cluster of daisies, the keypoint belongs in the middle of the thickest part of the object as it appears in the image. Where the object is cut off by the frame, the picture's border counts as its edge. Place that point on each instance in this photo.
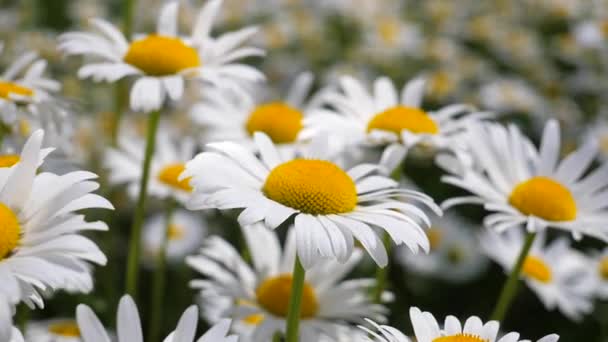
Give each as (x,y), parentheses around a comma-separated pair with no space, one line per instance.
(314,178)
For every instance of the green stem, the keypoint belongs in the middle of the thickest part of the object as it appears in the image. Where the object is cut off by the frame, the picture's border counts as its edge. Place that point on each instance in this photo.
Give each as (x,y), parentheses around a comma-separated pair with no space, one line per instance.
(277,337)
(382,272)
(295,301)
(140,209)
(127,25)
(510,288)
(120,99)
(159,279)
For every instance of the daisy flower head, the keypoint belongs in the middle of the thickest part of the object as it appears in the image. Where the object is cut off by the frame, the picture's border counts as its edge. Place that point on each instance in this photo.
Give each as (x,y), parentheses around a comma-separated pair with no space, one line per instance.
(558,274)
(385,117)
(168,162)
(331,207)
(41,249)
(236,116)
(523,185)
(129,326)
(185,233)
(164,60)
(598,264)
(598,130)
(257,295)
(54,330)
(428,329)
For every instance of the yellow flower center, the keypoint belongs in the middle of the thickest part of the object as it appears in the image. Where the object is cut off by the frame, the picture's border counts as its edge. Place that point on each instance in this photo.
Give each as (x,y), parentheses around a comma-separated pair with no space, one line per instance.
(435,236)
(399,118)
(544,198)
(311,186)
(175,232)
(254,319)
(10,231)
(537,269)
(274,293)
(7,88)
(462,337)
(388,30)
(169,175)
(278,120)
(604,143)
(161,56)
(65,329)
(603,268)
(9,160)
(456,255)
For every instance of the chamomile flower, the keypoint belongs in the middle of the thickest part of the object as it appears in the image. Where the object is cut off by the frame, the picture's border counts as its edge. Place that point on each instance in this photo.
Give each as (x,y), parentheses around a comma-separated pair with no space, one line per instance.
(385,117)
(331,206)
(598,264)
(55,330)
(129,326)
(554,271)
(258,295)
(185,233)
(235,117)
(427,329)
(454,255)
(164,60)
(41,249)
(598,130)
(523,185)
(168,162)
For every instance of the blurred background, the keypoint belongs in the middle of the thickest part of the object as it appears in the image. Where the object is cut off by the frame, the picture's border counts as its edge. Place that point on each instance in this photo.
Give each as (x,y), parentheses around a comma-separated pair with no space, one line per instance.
(527,60)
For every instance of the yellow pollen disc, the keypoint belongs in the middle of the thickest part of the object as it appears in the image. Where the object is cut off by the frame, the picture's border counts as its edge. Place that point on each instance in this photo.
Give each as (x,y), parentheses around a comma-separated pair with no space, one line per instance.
(10,231)
(278,120)
(169,175)
(389,30)
(603,268)
(161,56)
(544,198)
(537,269)
(401,118)
(311,186)
(9,160)
(7,88)
(460,338)
(274,293)
(65,329)
(435,236)
(254,319)
(175,232)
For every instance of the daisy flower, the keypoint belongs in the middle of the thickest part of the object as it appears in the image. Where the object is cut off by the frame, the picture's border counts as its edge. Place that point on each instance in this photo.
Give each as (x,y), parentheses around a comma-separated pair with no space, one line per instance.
(598,263)
(554,271)
(55,330)
(129,326)
(164,60)
(235,117)
(185,234)
(427,329)
(40,246)
(454,254)
(168,162)
(385,117)
(331,207)
(523,185)
(258,294)
(598,130)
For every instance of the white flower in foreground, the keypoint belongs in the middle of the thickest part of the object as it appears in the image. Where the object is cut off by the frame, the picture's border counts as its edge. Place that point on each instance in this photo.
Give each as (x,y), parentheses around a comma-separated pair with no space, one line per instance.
(385,117)
(427,329)
(235,117)
(258,295)
(55,330)
(164,60)
(168,162)
(185,233)
(129,326)
(40,248)
(558,274)
(331,206)
(526,186)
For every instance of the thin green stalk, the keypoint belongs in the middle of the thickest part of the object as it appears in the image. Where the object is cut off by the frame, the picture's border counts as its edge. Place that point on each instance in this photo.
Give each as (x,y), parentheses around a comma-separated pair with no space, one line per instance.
(382,272)
(120,99)
(510,288)
(159,279)
(295,301)
(277,337)
(140,209)
(128,14)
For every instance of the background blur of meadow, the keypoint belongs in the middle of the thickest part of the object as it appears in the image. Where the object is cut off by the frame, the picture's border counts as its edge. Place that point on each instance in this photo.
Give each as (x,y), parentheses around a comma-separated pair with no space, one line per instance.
(528,60)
